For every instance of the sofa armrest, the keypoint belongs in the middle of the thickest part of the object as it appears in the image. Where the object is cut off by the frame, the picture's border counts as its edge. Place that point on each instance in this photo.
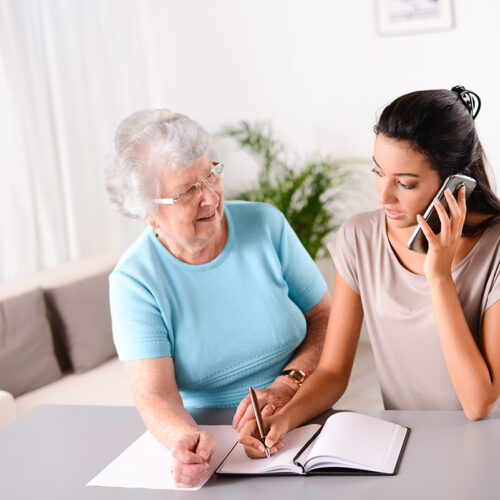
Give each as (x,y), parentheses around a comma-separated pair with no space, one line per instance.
(7,408)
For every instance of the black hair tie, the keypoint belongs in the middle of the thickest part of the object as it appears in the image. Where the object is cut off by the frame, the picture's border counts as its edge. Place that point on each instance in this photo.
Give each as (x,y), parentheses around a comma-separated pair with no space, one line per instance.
(470,99)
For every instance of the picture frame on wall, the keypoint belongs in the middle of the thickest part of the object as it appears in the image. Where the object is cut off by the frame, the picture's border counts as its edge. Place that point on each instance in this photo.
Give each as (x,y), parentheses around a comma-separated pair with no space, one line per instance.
(399,17)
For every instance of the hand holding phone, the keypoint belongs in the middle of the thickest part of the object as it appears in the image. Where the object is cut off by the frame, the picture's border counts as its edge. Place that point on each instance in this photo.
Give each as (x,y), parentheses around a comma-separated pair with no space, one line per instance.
(418,242)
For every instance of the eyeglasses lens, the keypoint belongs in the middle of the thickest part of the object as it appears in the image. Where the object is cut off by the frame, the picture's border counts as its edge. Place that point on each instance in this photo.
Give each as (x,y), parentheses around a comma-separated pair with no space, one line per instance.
(212,180)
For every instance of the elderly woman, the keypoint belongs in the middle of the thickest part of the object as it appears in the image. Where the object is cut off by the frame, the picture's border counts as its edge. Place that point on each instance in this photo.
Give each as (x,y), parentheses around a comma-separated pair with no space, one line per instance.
(213,297)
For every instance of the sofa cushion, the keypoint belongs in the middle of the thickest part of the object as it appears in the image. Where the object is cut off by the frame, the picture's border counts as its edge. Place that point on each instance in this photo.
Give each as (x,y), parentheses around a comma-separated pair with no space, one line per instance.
(27,358)
(81,321)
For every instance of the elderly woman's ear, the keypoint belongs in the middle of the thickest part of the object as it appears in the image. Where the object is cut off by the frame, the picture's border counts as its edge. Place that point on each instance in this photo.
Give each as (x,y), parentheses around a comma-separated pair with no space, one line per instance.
(151,221)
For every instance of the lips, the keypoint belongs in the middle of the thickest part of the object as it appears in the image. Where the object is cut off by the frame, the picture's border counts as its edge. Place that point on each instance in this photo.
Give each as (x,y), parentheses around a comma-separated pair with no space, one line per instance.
(393,214)
(206,218)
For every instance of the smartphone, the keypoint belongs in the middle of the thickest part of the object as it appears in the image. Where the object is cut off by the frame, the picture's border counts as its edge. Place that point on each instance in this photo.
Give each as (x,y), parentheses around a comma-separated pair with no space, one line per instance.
(418,242)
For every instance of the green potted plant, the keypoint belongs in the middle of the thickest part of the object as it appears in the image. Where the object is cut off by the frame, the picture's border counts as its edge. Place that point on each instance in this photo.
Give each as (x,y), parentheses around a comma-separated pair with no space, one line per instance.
(305,193)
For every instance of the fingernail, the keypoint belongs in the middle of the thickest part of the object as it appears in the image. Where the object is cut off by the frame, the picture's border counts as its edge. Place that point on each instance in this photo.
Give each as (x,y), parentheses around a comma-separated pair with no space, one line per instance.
(436,200)
(269,443)
(419,216)
(261,448)
(203,454)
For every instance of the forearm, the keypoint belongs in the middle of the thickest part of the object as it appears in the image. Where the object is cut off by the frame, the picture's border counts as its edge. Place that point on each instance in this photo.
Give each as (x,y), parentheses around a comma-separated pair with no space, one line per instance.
(329,381)
(466,365)
(306,357)
(165,417)
(319,392)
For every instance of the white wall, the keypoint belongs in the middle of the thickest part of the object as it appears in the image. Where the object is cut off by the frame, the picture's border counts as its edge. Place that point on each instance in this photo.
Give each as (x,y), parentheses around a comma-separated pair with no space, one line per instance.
(316,69)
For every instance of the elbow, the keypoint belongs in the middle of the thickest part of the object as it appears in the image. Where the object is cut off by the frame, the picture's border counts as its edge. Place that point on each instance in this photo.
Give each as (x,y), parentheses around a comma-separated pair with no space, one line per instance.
(478,410)
(474,415)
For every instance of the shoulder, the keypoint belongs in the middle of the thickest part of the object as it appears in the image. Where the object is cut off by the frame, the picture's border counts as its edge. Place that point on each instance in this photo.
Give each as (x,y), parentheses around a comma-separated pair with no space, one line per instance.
(358,233)
(364,224)
(255,214)
(137,257)
(253,208)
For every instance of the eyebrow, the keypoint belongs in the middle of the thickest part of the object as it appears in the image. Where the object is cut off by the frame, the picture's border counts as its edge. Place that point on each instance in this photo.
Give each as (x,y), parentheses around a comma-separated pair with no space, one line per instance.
(187,185)
(183,186)
(402,174)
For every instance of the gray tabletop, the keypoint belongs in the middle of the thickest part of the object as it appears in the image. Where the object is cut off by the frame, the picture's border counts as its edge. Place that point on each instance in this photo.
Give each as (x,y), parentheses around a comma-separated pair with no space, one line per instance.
(54,450)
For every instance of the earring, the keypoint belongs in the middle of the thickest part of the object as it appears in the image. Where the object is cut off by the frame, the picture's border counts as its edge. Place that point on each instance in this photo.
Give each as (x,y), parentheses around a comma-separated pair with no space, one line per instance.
(156,232)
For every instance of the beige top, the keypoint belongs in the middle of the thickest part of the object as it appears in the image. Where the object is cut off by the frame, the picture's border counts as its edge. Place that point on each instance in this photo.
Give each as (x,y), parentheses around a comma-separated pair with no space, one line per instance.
(398,309)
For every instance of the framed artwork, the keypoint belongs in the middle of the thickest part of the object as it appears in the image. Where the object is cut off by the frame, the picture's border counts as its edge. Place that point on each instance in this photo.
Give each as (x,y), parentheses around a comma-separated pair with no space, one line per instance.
(399,17)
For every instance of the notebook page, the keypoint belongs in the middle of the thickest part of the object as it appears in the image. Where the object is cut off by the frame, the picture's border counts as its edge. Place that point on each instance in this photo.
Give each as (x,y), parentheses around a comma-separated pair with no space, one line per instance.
(360,441)
(238,462)
(146,463)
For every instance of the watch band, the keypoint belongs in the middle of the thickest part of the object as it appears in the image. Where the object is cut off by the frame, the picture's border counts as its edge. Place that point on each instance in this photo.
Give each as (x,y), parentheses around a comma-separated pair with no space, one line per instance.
(296,376)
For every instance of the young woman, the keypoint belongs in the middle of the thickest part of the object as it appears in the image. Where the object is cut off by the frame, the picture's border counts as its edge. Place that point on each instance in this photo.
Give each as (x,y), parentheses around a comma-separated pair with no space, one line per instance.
(433,318)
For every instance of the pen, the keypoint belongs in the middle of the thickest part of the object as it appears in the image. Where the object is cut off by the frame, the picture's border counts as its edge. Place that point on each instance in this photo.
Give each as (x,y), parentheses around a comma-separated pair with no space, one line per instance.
(258,419)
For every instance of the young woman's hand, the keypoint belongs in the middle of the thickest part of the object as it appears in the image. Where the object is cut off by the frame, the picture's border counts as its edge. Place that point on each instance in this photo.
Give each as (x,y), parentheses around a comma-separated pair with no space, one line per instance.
(443,246)
(271,400)
(277,426)
(192,453)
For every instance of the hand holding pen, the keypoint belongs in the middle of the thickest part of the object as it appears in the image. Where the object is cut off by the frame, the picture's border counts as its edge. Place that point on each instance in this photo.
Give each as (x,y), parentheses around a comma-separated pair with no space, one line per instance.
(256,446)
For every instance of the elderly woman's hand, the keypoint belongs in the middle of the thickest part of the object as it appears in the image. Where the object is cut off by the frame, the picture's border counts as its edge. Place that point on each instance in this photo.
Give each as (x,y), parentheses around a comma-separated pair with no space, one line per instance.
(192,453)
(271,400)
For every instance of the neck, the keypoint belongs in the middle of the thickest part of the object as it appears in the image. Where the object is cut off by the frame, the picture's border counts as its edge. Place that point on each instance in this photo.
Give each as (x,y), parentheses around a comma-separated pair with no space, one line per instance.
(197,252)
(399,235)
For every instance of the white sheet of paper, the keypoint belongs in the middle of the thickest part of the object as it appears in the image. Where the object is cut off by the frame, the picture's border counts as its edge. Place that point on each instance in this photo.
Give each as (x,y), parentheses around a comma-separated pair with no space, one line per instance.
(146,463)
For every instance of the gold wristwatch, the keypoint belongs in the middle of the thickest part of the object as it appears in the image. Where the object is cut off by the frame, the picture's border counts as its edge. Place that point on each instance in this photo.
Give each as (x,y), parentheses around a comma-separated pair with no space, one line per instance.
(296,376)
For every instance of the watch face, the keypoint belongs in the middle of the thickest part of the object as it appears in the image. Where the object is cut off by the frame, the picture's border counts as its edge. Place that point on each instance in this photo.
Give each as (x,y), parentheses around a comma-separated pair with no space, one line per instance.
(298,376)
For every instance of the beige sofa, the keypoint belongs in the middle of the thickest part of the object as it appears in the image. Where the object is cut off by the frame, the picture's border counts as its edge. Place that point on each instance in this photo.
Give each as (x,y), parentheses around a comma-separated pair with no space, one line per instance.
(55,340)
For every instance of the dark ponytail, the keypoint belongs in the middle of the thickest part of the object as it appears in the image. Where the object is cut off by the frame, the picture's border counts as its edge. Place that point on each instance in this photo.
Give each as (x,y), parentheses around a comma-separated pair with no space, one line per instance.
(440,125)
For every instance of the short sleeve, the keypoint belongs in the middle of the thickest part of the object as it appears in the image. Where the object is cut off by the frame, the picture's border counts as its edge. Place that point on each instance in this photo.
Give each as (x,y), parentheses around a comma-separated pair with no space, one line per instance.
(305,282)
(341,248)
(494,288)
(139,331)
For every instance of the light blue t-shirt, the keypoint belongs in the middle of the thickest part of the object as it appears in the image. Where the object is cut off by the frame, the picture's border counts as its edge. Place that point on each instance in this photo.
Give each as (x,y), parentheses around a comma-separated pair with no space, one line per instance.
(228,324)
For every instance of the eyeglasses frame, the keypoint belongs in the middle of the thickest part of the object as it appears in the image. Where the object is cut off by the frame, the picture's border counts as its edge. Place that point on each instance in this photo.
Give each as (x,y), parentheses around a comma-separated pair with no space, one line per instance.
(217,168)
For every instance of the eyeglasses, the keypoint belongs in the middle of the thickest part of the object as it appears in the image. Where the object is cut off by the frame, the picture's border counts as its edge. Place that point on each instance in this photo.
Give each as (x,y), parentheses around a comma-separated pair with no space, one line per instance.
(188,196)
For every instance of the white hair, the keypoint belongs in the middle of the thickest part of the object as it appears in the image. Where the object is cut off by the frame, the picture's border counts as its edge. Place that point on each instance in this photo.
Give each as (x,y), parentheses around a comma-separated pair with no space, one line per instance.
(140,140)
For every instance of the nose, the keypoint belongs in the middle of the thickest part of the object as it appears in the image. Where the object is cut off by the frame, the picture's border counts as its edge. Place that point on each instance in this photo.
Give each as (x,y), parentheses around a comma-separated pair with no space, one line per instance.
(385,192)
(209,195)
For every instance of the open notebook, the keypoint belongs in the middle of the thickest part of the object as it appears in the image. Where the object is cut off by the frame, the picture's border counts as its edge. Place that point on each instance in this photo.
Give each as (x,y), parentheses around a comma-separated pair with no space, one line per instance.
(348,443)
